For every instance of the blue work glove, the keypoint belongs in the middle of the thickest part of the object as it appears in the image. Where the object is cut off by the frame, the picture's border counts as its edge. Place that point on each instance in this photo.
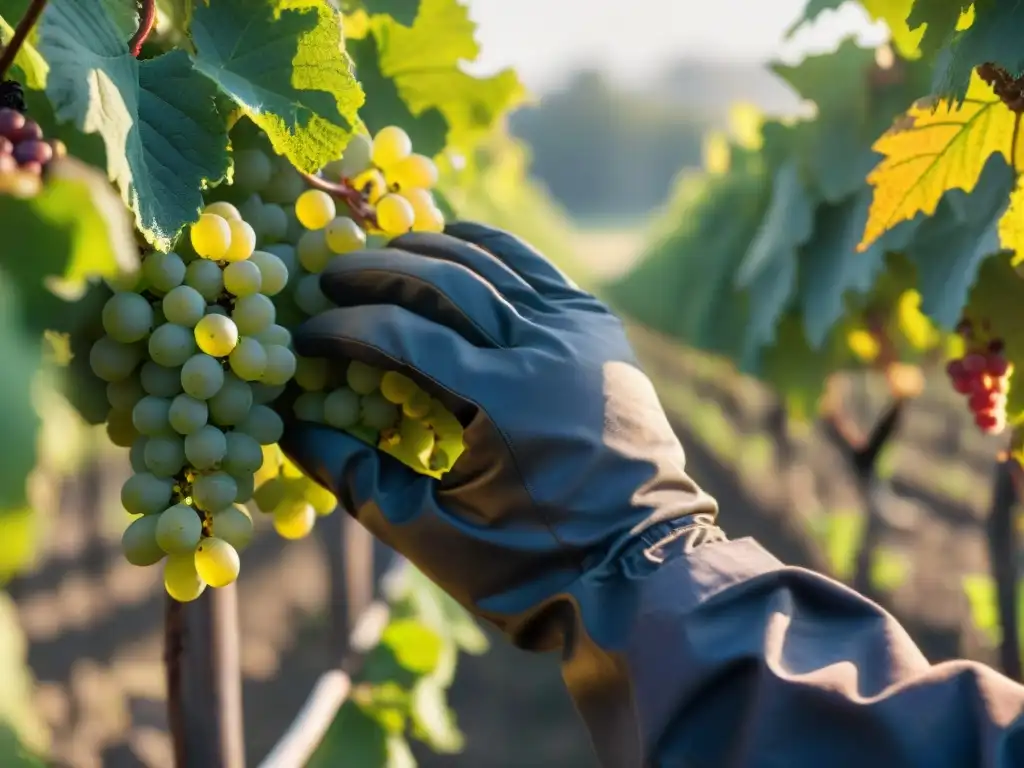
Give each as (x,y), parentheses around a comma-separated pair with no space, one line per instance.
(572,484)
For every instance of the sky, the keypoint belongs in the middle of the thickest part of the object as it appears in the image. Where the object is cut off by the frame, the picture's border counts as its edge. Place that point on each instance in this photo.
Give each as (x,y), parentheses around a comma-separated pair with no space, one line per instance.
(546,39)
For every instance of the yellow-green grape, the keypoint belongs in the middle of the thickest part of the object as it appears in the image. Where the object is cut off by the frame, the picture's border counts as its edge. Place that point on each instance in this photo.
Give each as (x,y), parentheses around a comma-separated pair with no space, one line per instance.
(397,387)
(416,438)
(248,360)
(243,241)
(211,236)
(120,429)
(390,145)
(315,209)
(138,542)
(344,235)
(427,216)
(216,335)
(341,408)
(377,413)
(439,461)
(395,215)
(178,529)
(418,405)
(413,172)
(313,251)
(322,500)
(223,209)
(273,272)
(442,421)
(363,378)
(234,525)
(371,185)
(294,519)
(311,373)
(217,562)
(181,579)
(309,406)
(355,159)
(146,494)
(242,278)
(270,495)
(214,491)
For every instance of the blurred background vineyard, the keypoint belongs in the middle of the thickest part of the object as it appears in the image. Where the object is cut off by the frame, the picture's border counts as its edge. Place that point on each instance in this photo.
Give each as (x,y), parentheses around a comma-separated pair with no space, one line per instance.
(592,172)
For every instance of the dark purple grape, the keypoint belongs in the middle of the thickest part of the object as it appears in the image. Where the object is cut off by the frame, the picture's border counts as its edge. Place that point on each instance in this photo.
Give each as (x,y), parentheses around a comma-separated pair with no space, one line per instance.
(30,130)
(6,146)
(32,167)
(10,121)
(7,165)
(31,150)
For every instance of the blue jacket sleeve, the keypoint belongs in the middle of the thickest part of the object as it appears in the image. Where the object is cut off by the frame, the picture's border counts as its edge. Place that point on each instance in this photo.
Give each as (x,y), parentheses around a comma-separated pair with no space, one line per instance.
(734,660)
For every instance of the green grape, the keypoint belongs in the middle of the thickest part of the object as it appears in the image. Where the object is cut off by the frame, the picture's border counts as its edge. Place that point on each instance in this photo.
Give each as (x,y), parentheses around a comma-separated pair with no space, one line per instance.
(211,236)
(234,525)
(413,172)
(244,455)
(232,403)
(205,448)
(113,361)
(356,158)
(276,334)
(418,405)
(146,494)
(273,223)
(286,253)
(251,208)
(396,387)
(178,529)
(138,542)
(309,297)
(223,209)
(311,373)
(313,251)
(427,217)
(263,424)
(376,412)
(151,416)
(294,519)
(205,277)
(285,186)
(270,494)
(315,209)
(363,378)
(248,360)
(417,439)
(171,345)
(137,455)
(253,314)
(202,376)
(181,579)
(160,381)
(263,394)
(124,394)
(341,408)
(214,491)
(127,317)
(365,433)
(246,484)
(217,309)
(253,170)
(390,145)
(343,235)
(216,335)
(130,280)
(163,271)
(184,305)
(242,278)
(322,500)
(120,429)
(395,215)
(442,421)
(243,241)
(187,414)
(164,455)
(217,562)
(273,272)
(280,365)
(309,406)
(295,228)
(439,461)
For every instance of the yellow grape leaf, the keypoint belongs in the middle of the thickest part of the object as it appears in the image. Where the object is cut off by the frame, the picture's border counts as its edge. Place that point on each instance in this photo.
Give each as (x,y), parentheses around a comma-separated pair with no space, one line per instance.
(1011,226)
(931,151)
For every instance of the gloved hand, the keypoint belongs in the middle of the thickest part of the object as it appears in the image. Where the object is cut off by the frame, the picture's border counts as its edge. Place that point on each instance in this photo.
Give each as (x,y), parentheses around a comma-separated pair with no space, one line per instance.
(572,481)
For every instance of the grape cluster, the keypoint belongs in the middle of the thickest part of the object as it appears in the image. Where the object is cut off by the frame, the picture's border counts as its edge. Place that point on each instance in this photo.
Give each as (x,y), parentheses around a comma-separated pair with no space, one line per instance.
(193,356)
(983,375)
(23,153)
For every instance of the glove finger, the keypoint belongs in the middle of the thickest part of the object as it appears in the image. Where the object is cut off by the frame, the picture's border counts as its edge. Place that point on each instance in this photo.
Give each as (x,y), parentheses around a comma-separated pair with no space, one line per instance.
(443,292)
(490,268)
(436,357)
(521,258)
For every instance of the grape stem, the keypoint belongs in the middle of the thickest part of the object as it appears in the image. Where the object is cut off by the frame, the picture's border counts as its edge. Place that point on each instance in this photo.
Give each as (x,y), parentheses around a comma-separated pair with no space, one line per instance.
(28,21)
(362,211)
(147,19)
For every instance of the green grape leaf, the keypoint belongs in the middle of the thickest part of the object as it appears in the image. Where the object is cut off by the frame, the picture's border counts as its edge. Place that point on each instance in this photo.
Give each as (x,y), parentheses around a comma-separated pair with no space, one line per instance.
(993,37)
(416,647)
(32,65)
(355,739)
(163,136)
(282,64)
(949,247)
(433,720)
(22,359)
(402,11)
(939,19)
(424,63)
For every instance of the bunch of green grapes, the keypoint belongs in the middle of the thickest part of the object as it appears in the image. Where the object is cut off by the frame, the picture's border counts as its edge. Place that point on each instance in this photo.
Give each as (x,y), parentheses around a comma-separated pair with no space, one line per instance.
(383,408)
(192,357)
(291,499)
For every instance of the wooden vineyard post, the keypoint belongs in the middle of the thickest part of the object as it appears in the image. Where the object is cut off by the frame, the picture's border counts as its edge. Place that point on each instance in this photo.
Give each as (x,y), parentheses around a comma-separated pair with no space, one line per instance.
(1002,547)
(204,681)
(349,549)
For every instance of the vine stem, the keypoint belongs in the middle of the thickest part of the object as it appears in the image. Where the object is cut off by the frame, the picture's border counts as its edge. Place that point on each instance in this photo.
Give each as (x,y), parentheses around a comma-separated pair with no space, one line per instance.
(173,648)
(147,19)
(361,210)
(32,14)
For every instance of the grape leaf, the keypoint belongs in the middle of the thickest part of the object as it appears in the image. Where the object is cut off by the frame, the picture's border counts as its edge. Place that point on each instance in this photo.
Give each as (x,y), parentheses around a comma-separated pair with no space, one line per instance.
(433,720)
(1011,226)
(33,66)
(939,19)
(893,12)
(994,37)
(355,740)
(932,151)
(402,11)
(282,64)
(22,357)
(163,136)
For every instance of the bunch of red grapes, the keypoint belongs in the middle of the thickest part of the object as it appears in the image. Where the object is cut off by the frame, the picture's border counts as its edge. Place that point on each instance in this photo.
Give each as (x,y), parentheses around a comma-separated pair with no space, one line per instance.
(983,374)
(23,153)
